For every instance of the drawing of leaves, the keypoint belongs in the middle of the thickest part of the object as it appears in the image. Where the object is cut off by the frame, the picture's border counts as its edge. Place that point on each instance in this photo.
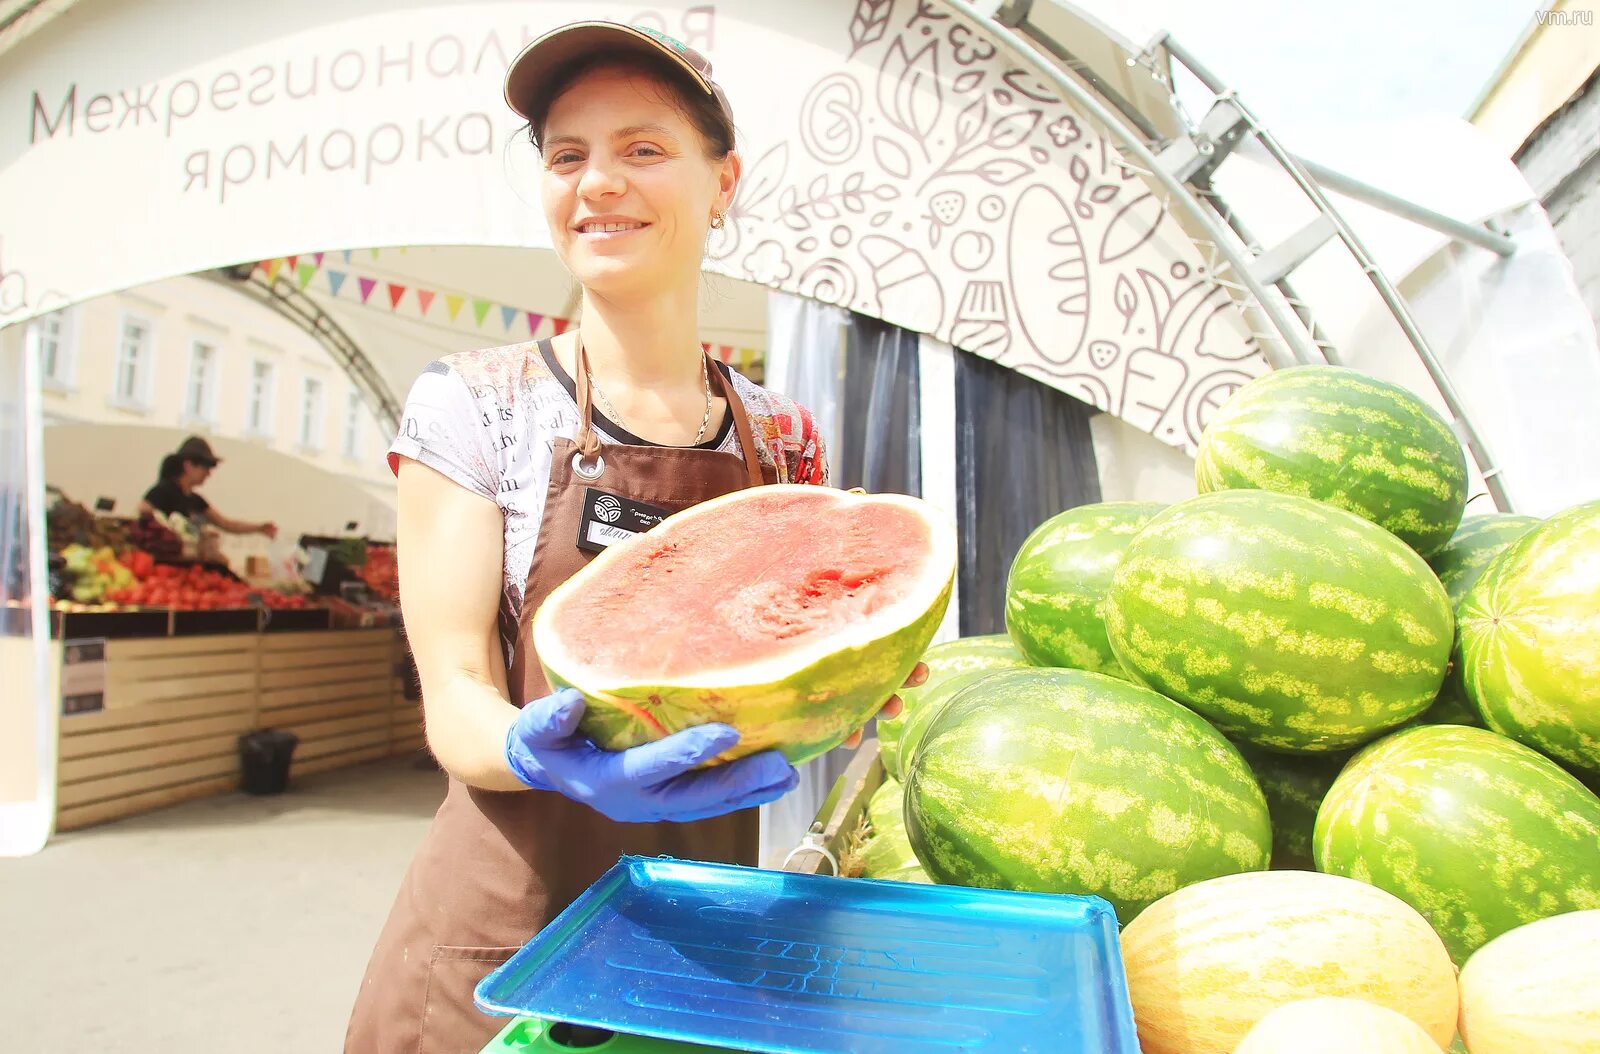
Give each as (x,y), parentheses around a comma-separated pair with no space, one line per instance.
(1133,225)
(920,95)
(870,21)
(1013,130)
(880,218)
(1002,171)
(796,220)
(825,209)
(1161,302)
(1127,301)
(892,157)
(1102,194)
(970,120)
(966,82)
(886,192)
(765,176)
(807,245)
(818,188)
(1040,154)
(787,200)
(1078,169)
(854,180)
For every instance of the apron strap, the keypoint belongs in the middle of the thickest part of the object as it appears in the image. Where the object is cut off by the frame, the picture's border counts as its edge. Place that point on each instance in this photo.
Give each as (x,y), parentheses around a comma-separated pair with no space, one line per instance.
(588,442)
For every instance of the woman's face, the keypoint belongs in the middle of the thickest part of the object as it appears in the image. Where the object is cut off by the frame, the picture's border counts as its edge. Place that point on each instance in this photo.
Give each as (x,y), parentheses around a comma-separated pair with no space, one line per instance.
(628,190)
(195,473)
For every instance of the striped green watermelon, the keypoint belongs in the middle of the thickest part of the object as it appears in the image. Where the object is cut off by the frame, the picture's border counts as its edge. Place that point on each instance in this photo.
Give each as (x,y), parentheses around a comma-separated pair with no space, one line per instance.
(1339,436)
(1294,786)
(1530,639)
(1064,781)
(1478,833)
(992,652)
(887,854)
(1056,591)
(1476,542)
(931,705)
(1287,622)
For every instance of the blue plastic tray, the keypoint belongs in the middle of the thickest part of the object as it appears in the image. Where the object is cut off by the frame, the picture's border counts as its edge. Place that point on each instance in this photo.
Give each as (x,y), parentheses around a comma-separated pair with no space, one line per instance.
(781,963)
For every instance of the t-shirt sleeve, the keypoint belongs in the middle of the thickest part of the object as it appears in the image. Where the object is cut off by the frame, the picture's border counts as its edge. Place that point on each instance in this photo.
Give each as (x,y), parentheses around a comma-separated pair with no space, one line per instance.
(444,428)
(808,461)
(200,503)
(159,498)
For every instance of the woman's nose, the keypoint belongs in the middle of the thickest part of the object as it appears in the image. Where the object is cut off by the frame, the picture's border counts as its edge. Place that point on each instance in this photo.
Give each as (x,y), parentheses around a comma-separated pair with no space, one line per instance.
(601,177)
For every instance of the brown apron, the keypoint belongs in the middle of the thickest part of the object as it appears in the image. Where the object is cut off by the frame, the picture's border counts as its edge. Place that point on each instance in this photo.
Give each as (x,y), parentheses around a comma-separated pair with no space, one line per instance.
(496,866)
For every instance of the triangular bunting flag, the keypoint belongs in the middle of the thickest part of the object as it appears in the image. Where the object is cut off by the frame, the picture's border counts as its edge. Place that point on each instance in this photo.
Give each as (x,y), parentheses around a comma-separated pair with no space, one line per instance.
(480,309)
(374,253)
(705,347)
(507,314)
(533,324)
(294,263)
(318,257)
(335,280)
(725,353)
(425,298)
(453,304)
(308,271)
(346,254)
(367,286)
(561,324)
(395,293)
(272,270)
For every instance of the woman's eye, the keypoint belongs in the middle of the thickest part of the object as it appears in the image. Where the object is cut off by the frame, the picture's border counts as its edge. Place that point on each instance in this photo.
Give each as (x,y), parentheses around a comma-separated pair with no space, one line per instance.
(643,150)
(566,157)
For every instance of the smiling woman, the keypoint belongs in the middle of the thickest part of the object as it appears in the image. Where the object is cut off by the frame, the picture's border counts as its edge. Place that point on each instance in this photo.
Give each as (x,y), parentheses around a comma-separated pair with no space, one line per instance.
(517,464)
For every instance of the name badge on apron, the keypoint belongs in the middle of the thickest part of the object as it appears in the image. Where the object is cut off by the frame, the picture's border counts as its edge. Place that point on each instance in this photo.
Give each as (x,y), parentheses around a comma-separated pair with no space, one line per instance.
(611,518)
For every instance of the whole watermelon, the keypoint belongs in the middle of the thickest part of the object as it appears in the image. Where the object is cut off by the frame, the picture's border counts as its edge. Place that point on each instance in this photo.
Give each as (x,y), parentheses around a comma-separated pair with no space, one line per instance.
(991,652)
(931,706)
(1056,592)
(887,854)
(1064,781)
(1285,621)
(1530,639)
(1339,436)
(1459,564)
(1294,786)
(1478,833)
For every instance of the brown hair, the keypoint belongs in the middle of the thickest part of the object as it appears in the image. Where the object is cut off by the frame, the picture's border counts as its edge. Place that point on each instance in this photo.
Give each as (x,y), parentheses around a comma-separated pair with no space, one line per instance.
(699,108)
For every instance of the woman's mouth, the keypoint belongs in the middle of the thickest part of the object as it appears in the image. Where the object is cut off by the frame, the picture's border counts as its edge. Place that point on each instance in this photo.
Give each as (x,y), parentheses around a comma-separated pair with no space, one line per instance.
(609,230)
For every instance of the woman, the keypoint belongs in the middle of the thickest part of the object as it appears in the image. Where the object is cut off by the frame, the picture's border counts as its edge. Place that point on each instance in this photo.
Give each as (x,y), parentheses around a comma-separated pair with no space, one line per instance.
(176,493)
(498,456)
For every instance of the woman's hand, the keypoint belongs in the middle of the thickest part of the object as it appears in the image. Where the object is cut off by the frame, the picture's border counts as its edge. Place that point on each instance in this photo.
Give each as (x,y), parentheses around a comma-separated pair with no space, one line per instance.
(647,784)
(919,677)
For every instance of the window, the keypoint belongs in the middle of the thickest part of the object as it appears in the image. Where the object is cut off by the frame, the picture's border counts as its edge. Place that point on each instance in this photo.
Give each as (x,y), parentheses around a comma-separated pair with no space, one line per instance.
(352,424)
(311,414)
(199,399)
(262,379)
(53,335)
(131,381)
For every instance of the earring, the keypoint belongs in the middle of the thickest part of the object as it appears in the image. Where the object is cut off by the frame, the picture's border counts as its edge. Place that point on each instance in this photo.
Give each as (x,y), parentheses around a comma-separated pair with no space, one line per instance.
(719,220)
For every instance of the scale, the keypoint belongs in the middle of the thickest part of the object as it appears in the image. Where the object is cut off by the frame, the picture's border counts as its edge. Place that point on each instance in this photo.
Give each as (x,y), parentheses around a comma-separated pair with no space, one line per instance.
(664,956)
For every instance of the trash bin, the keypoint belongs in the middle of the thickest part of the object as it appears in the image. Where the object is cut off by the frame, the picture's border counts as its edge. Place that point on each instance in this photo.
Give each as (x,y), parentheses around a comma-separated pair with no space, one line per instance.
(264,756)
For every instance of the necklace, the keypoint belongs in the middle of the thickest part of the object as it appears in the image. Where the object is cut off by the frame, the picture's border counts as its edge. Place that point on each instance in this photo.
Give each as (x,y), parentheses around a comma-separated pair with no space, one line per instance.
(611,411)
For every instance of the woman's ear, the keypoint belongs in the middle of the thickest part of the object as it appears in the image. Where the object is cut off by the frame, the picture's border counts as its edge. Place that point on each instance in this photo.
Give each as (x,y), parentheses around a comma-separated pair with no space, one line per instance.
(729,173)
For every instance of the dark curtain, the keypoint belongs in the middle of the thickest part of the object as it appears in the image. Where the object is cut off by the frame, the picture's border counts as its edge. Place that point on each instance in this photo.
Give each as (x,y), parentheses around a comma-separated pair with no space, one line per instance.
(879,442)
(1024,452)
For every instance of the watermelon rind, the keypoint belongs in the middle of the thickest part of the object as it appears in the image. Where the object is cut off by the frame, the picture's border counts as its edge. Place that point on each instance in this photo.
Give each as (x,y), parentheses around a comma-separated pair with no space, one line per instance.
(802,703)
(993,651)
(1065,781)
(1056,589)
(1477,832)
(887,854)
(1284,621)
(1340,436)
(1530,639)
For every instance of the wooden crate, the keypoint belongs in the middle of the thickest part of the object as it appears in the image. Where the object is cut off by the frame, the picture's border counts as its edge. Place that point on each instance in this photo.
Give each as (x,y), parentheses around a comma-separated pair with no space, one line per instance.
(333,689)
(174,709)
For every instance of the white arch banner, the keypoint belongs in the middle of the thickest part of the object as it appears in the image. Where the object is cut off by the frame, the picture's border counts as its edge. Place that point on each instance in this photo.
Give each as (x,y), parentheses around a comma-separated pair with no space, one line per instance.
(899,163)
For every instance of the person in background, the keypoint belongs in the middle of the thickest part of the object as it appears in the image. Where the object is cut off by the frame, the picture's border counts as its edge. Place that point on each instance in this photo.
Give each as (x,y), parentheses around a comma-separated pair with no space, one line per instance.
(175,493)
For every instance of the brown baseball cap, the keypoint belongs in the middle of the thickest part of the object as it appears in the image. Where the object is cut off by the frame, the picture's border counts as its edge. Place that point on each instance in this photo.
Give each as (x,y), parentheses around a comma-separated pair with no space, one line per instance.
(532,74)
(199,451)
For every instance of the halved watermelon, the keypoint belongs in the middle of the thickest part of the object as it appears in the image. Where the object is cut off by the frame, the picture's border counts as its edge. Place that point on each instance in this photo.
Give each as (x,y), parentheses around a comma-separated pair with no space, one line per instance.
(790,612)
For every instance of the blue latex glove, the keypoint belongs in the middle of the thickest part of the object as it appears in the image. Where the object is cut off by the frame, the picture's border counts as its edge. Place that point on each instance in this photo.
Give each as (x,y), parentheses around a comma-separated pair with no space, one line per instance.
(646,784)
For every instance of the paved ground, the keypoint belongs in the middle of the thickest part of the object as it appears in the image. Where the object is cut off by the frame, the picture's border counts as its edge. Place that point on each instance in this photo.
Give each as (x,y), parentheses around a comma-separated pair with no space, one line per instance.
(234,925)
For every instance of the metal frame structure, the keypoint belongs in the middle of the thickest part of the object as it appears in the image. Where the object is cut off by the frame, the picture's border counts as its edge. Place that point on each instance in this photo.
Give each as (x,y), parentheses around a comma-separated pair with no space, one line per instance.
(1181,168)
(287,300)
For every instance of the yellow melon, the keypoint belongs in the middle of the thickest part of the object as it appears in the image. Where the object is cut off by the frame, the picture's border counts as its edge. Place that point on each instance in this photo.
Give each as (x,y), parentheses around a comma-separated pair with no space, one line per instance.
(1535,989)
(1330,1025)
(1209,961)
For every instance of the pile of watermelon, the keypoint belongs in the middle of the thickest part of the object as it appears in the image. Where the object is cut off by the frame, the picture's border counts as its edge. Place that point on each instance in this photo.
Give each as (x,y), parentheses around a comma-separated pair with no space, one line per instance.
(1316,666)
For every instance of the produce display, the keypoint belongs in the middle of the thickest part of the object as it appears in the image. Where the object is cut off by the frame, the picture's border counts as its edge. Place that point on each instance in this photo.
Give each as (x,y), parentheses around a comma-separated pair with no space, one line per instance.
(1459,565)
(1330,1025)
(1208,962)
(1056,591)
(1344,438)
(944,661)
(1530,639)
(790,612)
(1064,781)
(1287,622)
(1294,786)
(1536,989)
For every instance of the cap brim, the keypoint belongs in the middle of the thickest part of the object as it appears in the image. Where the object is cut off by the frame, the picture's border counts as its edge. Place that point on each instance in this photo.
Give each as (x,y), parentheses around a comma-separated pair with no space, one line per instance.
(528,76)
